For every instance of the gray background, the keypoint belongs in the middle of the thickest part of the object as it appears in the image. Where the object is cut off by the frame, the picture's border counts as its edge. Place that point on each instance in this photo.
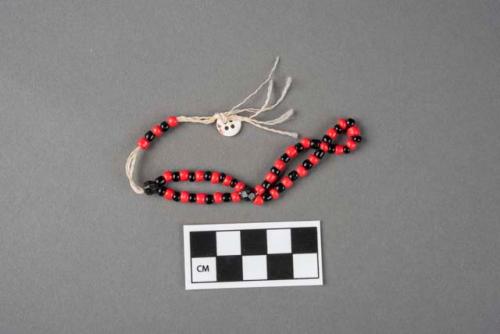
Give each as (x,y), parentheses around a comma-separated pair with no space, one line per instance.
(410,222)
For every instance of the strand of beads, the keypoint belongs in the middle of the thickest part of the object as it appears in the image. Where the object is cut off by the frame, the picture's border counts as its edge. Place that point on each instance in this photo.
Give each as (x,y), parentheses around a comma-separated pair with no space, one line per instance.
(159,186)
(275,181)
(157,130)
(273,186)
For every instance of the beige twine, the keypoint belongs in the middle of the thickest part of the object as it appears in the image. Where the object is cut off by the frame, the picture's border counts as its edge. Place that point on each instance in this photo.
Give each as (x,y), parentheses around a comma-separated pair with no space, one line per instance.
(235,114)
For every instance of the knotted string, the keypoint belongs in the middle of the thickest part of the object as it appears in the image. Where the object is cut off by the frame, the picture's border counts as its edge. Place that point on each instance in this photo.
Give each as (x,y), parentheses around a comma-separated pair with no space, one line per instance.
(235,114)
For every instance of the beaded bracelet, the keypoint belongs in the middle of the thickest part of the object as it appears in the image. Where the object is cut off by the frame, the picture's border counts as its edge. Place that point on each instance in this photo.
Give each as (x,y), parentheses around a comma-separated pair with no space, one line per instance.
(229,123)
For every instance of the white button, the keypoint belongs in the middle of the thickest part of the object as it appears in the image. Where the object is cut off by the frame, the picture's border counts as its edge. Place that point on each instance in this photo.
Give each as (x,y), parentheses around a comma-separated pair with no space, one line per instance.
(305,265)
(228,243)
(279,241)
(228,129)
(203,269)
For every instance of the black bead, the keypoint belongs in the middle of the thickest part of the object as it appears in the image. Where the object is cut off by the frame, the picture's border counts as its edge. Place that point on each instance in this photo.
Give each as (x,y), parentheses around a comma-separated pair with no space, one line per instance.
(248,194)
(331,148)
(161,191)
(176,196)
(357,139)
(275,171)
(222,176)
(208,175)
(285,158)
(150,187)
(350,122)
(160,180)
(226,197)
(209,199)
(346,150)
(319,154)
(280,187)
(192,197)
(191,177)
(299,147)
(293,175)
(149,136)
(266,185)
(233,183)
(164,126)
(175,176)
(327,139)
(315,143)
(307,164)
(337,128)
(267,197)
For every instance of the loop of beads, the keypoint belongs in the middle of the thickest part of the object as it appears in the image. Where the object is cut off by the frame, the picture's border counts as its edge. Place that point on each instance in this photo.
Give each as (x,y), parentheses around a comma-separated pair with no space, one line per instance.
(159,186)
(275,181)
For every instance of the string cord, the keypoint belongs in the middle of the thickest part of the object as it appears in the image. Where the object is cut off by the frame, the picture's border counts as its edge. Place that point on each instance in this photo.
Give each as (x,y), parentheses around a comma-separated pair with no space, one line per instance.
(130,170)
(237,112)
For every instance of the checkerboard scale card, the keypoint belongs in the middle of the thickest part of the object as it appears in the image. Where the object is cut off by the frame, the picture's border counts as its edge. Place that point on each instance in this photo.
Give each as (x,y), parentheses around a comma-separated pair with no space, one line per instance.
(247,255)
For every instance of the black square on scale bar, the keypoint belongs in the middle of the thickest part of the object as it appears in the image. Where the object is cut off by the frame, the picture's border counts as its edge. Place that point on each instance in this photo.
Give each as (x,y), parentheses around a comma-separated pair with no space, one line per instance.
(279,266)
(304,240)
(253,242)
(229,268)
(203,244)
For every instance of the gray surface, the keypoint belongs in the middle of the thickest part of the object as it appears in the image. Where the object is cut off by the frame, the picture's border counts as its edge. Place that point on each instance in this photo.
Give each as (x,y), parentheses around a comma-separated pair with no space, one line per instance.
(410,223)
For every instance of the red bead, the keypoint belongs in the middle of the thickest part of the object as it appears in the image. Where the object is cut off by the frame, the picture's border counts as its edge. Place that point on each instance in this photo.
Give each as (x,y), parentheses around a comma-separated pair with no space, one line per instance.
(200,198)
(313,159)
(353,131)
(184,196)
(331,133)
(215,177)
(156,129)
(339,150)
(199,176)
(306,142)
(258,200)
(351,144)
(302,171)
(235,196)
(227,180)
(168,194)
(323,146)
(287,182)
(342,123)
(271,177)
(143,143)
(280,164)
(167,175)
(218,197)
(259,190)
(184,175)
(172,121)
(274,193)
(291,151)
(239,186)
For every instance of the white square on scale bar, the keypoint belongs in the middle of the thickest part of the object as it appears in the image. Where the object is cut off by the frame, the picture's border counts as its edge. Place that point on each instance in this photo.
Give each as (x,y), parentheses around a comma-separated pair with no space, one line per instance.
(228,243)
(305,265)
(254,267)
(204,269)
(279,241)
